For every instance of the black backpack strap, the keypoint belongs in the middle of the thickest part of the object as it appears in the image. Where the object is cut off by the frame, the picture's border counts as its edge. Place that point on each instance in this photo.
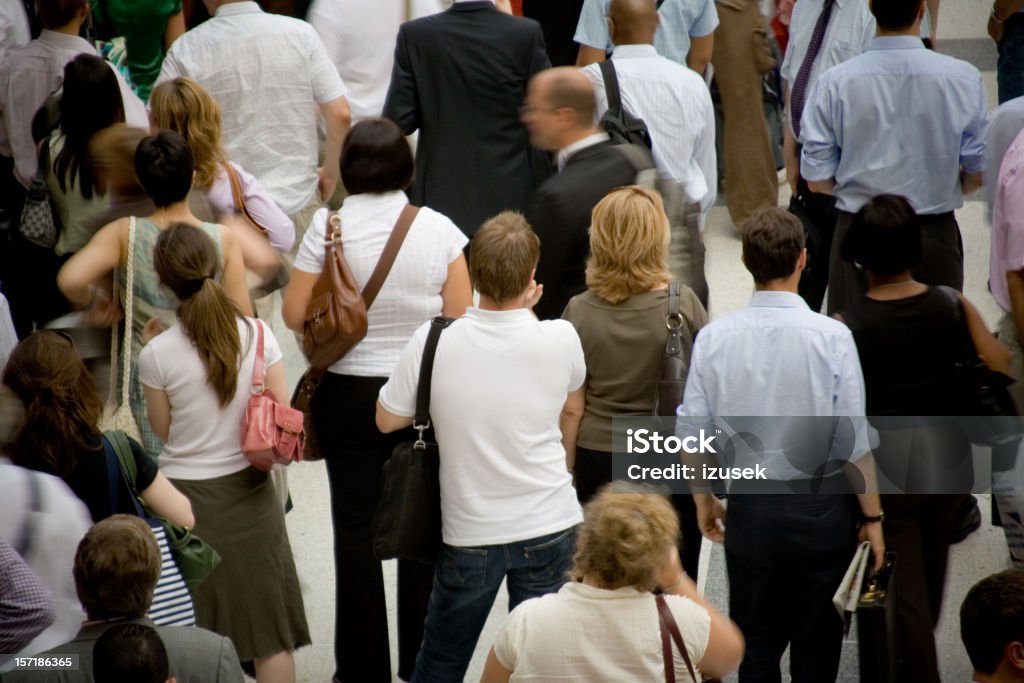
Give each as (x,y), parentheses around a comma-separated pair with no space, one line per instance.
(421,421)
(611,85)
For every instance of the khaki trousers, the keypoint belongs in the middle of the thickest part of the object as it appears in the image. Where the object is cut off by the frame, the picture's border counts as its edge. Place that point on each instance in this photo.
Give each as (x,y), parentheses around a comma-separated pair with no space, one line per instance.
(742,55)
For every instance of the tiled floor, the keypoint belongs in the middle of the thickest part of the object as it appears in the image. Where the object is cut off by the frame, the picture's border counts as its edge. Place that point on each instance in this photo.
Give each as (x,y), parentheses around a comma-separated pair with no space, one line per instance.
(962,24)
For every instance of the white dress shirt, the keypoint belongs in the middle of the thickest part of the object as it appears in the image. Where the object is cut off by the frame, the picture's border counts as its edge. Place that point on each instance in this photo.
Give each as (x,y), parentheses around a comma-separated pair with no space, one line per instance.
(27,77)
(675,104)
(359,37)
(775,358)
(411,294)
(14,30)
(267,72)
(851,27)
(566,152)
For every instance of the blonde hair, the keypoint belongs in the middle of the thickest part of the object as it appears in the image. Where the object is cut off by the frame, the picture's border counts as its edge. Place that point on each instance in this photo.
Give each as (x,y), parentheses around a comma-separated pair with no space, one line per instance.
(184,106)
(625,538)
(629,237)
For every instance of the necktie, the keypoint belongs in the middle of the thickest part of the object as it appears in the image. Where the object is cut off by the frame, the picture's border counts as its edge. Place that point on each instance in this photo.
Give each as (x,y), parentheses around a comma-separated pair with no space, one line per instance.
(799,91)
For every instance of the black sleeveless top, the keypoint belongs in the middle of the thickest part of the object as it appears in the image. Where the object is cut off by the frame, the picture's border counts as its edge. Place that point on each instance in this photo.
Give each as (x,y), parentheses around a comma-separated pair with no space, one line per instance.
(908,351)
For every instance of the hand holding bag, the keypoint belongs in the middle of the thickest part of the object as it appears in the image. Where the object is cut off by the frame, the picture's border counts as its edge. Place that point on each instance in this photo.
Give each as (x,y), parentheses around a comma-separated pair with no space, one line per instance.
(407,524)
(336,315)
(876,625)
(272,433)
(117,414)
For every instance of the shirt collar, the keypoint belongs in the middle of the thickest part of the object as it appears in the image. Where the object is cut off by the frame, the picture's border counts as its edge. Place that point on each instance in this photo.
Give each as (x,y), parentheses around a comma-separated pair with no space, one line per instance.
(515,315)
(566,152)
(896,43)
(233,8)
(775,299)
(634,51)
(65,41)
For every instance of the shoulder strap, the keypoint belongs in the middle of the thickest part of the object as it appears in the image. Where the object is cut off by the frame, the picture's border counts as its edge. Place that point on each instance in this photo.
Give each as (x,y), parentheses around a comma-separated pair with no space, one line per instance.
(129,311)
(611,84)
(422,417)
(390,253)
(119,455)
(28,526)
(257,366)
(670,627)
(238,198)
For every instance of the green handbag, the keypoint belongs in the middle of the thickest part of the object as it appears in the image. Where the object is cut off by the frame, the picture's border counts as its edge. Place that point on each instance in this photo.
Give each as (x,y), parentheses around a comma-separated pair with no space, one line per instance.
(195,558)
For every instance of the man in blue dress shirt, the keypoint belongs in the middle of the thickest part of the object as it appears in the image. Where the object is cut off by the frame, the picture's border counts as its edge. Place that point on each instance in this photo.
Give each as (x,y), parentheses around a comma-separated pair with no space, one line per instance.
(897,119)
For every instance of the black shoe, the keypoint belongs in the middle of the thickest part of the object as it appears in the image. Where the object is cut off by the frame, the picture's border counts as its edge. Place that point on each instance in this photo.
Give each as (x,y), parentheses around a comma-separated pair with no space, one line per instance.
(968,519)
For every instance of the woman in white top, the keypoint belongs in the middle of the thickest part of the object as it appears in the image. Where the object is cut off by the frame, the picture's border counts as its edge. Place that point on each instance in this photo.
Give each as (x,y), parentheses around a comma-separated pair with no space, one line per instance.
(604,625)
(429,277)
(196,376)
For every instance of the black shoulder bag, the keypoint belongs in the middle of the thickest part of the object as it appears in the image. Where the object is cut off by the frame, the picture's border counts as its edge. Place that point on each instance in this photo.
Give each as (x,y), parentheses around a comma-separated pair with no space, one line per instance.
(621,126)
(407,522)
(675,364)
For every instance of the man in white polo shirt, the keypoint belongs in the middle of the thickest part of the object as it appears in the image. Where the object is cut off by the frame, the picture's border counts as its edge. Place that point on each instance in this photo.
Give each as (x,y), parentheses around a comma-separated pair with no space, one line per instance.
(508,507)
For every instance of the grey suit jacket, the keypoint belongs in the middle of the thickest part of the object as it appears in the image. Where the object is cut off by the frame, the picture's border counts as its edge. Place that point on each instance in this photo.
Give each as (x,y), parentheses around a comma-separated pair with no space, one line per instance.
(195,655)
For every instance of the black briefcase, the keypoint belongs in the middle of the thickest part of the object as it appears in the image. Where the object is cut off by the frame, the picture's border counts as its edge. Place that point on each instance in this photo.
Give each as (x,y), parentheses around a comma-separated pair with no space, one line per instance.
(876,625)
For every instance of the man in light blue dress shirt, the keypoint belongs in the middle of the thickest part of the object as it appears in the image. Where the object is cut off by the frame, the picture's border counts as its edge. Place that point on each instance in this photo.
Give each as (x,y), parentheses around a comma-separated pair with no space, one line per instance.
(785,554)
(897,119)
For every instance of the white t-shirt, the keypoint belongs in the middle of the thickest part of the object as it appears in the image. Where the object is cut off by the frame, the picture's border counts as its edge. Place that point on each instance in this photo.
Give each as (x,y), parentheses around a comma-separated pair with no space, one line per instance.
(411,294)
(499,383)
(591,634)
(205,439)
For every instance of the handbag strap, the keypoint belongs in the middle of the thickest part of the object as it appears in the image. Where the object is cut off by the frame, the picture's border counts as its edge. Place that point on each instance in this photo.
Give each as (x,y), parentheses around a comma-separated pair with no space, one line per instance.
(669,627)
(390,253)
(238,197)
(257,366)
(129,305)
(119,455)
(421,420)
(674,322)
(611,85)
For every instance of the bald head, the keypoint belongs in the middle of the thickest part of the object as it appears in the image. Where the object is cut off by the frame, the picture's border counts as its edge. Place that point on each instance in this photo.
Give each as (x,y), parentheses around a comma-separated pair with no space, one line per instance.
(567,87)
(633,22)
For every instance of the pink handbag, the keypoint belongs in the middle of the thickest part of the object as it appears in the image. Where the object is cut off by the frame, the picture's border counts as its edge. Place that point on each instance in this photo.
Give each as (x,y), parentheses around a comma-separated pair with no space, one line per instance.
(272,433)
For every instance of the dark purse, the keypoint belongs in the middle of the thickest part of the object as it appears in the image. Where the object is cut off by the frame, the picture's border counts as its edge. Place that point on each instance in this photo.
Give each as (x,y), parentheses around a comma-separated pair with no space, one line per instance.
(39,224)
(990,416)
(675,363)
(876,625)
(407,523)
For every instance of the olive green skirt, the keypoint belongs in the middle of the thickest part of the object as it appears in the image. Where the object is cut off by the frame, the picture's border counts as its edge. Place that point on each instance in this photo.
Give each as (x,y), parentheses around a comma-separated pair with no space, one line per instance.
(253,596)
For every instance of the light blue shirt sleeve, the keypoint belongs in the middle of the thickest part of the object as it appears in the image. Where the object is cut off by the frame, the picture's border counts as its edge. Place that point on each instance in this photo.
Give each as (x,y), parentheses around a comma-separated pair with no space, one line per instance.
(850,400)
(972,143)
(592,29)
(706,23)
(820,157)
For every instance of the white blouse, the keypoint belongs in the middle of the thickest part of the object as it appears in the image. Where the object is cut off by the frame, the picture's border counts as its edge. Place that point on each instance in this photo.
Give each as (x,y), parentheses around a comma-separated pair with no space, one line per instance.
(411,294)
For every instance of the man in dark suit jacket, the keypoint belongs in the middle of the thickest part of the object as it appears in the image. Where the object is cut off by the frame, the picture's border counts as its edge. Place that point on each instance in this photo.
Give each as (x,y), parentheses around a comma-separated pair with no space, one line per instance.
(559,112)
(459,78)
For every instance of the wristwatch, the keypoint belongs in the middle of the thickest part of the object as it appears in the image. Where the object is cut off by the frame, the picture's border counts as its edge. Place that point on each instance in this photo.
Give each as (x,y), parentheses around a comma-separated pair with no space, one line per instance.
(875,519)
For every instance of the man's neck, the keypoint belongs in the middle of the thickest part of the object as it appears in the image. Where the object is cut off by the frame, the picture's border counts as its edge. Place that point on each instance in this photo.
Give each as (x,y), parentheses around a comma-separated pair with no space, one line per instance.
(788,284)
(489,304)
(647,40)
(72,29)
(576,136)
(913,31)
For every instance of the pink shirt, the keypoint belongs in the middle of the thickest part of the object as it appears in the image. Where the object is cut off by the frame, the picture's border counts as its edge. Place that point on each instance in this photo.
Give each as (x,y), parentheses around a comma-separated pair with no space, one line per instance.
(280,228)
(1007,251)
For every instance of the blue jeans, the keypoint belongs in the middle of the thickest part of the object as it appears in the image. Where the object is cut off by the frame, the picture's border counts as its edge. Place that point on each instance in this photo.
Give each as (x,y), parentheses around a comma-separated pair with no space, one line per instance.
(465,583)
(1010,68)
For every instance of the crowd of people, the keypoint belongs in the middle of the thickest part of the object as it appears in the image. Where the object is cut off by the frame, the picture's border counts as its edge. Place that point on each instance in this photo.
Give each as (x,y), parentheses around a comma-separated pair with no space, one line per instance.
(197,176)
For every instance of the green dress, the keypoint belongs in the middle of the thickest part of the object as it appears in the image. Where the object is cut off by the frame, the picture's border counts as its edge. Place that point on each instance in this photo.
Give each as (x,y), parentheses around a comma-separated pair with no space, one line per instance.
(143,24)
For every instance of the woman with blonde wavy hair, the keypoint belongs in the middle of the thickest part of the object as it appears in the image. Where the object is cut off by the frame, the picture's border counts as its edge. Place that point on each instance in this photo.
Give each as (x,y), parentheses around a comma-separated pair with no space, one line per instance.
(604,624)
(184,106)
(621,320)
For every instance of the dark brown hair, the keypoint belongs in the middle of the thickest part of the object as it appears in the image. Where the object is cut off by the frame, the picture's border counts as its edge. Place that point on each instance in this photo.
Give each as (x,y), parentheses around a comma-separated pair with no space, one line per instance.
(62,405)
(185,259)
(502,256)
(992,617)
(376,158)
(884,237)
(773,240)
(117,565)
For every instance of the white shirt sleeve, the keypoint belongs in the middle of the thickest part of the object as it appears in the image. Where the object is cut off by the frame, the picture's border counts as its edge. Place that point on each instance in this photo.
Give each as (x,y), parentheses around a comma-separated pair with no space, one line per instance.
(271,349)
(578,369)
(150,373)
(310,257)
(327,84)
(510,639)
(454,240)
(398,395)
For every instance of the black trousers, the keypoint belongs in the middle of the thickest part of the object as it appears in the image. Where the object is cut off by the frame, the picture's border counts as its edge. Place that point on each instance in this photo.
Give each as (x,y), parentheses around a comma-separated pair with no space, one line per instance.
(942,260)
(786,555)
(817,212)
(594,470)
(355,451)
(919,529)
